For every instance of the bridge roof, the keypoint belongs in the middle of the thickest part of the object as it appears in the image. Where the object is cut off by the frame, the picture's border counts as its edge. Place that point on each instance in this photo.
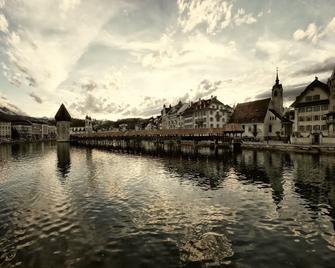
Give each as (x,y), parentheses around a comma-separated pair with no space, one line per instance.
(228,128)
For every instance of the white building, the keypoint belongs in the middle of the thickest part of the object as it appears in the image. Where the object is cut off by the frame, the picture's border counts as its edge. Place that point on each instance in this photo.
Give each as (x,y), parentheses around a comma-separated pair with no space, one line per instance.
(262,119)
(5,130)
(210,113)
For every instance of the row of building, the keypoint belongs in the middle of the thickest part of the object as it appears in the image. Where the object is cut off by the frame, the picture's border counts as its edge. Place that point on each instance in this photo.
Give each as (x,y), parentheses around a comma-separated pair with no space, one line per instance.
(25,130)
(309,120)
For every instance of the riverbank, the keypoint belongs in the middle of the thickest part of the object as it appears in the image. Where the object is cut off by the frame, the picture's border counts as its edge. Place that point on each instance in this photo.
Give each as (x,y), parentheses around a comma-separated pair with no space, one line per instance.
(297,148)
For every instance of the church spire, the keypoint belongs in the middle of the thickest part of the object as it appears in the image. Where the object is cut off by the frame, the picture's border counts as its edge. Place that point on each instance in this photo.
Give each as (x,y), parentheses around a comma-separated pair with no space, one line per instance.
(277,77)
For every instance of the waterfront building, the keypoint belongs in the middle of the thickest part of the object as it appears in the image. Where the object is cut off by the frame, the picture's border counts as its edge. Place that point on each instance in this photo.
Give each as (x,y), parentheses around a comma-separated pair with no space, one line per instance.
(314,113)
(52,131)
(45,131)
(164,113)
(63,119)
(5,130)
(262,119)
(81,126)
(208,113)
(36,131)
(174,117)
(123,127)
(22,129)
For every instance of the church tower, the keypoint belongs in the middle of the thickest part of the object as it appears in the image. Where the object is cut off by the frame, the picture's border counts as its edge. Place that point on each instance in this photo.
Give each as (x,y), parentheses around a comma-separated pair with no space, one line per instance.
(331,84)
(277,96)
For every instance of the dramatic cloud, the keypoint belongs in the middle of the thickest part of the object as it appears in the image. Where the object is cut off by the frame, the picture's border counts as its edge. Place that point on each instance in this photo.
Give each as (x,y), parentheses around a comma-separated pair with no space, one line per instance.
(117,58)
(3,24)
(8,106)
(36,98)
(214,15)
(321,67)
(314,33)
(290,92)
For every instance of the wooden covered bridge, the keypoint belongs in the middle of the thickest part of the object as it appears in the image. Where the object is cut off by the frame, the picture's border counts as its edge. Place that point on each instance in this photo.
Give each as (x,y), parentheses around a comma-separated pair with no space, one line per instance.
(168,140)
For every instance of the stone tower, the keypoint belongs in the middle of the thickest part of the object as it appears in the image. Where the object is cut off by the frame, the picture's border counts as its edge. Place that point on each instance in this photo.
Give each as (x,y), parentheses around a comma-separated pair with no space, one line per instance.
(331,84)
(88,124)
(277,96)
(63,121)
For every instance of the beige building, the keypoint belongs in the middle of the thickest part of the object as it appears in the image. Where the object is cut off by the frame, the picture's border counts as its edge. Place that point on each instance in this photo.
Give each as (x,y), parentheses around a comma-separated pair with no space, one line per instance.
(314,113)
(210,113)
(5,130)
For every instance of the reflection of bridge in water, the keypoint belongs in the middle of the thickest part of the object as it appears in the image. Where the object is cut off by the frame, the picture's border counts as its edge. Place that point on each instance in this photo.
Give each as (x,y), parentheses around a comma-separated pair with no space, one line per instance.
(166,140)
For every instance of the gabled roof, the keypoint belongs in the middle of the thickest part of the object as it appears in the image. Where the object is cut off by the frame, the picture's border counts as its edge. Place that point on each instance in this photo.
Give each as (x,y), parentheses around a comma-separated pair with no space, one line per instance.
(251,112)
(315,84)
(62,114)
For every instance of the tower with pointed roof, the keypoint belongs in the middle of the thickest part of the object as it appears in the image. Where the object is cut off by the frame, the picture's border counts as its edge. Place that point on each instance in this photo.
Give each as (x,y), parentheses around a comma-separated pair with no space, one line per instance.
(277,96)
(63,121)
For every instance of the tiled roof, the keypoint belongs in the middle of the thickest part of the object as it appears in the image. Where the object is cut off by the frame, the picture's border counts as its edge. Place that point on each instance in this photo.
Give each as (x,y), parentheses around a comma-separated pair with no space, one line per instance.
(251,112)
(62,114)
(202,104)
(315,84)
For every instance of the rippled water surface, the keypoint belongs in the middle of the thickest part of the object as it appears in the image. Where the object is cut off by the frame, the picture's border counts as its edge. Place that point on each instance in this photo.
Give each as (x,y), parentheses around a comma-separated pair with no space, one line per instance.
(62,206)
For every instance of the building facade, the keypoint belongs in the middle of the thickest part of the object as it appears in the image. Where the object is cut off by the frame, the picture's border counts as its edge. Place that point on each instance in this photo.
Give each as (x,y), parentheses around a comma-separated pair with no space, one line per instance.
(209,113)
(22,129)
(5,130)
(314,113)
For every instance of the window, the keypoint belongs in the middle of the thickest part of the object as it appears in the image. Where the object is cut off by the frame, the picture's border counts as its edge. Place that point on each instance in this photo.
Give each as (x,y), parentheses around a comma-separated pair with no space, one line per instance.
(308,128)
(217,125)
(316,97)
(324,127)
(211,112)
(316,127)
(309,108)
(270,128)
(308,98)
(211,125)
(211,119)
(243,126)
(324,107)
(301,109)
(324,117)
(249,129)
(301,118)
(316,108)
(316,117)
(308,118)
(301,128)
(223,119)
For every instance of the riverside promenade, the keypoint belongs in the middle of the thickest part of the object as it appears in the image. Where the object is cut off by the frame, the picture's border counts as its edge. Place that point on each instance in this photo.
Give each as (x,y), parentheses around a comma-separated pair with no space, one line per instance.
(298,148)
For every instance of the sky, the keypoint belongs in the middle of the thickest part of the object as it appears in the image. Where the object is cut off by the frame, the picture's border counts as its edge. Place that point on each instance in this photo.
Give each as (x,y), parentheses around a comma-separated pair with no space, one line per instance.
(115,59)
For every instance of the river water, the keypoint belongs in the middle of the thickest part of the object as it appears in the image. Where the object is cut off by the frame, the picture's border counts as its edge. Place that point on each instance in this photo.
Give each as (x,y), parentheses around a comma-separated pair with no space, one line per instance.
(63,206)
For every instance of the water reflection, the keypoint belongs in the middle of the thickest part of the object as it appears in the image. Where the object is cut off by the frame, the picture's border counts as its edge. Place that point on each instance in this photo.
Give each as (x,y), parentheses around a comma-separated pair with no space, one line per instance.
(63,158)
(249,209)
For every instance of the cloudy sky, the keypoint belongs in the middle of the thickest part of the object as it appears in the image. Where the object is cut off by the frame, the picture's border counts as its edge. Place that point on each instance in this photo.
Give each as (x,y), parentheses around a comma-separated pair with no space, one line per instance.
(123,58)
